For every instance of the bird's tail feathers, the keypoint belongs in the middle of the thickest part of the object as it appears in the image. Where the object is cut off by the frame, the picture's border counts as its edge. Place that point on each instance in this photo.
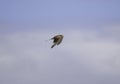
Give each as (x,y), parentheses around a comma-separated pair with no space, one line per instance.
(53,45)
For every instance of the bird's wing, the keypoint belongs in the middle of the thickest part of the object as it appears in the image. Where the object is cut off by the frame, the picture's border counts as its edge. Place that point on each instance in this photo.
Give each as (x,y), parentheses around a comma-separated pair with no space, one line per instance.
(56,39)
(59,40)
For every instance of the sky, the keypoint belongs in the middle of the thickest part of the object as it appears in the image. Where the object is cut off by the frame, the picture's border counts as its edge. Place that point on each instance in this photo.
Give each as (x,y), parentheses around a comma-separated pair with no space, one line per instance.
(88,54)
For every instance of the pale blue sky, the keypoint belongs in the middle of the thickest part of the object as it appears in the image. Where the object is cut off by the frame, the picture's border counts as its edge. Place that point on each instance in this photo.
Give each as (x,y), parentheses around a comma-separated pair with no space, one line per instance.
(59,12)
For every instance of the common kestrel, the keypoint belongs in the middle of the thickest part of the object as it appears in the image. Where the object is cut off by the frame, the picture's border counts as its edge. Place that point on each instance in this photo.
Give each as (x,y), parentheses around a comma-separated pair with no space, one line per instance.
(57,40)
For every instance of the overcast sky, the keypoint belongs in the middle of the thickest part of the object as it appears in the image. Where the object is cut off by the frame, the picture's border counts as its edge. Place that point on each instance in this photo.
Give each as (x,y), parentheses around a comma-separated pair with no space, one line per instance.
(89,53)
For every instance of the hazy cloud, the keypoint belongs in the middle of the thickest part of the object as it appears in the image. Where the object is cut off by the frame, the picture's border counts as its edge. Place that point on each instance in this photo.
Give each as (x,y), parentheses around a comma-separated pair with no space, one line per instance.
(83,57)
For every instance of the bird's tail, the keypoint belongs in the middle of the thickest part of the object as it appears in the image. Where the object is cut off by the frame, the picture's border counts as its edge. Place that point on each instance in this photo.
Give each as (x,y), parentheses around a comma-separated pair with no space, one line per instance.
(53,45)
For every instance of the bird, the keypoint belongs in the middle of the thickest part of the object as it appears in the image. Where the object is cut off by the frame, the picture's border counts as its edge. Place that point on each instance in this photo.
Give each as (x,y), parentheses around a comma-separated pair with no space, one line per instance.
(57,40)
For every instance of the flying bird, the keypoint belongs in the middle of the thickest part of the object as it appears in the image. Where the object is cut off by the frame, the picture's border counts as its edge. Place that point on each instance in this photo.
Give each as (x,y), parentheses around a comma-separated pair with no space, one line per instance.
(57,40)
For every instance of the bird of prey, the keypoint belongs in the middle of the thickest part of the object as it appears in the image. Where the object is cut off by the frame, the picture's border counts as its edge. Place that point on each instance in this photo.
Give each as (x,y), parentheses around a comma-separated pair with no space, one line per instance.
(57,40)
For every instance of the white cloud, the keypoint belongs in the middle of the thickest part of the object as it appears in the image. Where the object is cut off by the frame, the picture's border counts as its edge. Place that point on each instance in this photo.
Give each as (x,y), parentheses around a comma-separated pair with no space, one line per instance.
(27,55)
(98,53)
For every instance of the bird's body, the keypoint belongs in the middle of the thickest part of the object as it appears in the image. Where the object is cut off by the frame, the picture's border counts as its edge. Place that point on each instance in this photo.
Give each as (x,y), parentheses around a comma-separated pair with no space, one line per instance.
(57,40)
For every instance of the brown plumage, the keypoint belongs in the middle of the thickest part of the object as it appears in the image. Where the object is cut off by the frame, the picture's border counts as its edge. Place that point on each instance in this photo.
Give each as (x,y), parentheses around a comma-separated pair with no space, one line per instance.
(57,40)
